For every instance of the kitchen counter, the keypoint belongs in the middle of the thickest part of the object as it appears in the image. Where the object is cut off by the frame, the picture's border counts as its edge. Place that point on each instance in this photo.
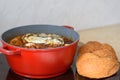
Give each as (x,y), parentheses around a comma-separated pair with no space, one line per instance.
(107,34)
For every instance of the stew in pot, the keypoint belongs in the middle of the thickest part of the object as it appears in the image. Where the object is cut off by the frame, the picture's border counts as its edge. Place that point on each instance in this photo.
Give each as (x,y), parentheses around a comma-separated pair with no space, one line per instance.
(40,40)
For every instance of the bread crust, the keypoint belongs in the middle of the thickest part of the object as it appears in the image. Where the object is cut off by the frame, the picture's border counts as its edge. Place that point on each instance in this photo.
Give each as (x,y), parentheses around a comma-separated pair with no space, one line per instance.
(97,60)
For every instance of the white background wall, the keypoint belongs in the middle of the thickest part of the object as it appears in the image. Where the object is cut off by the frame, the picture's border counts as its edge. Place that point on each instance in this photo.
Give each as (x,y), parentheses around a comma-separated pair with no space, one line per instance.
(81,14)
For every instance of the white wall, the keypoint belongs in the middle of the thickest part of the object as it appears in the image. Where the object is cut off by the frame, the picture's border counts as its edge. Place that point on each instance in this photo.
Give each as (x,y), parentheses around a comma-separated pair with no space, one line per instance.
(81,14)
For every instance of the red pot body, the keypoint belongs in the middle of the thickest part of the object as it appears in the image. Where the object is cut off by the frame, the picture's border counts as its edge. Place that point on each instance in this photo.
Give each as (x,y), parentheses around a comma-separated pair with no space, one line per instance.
(40,63)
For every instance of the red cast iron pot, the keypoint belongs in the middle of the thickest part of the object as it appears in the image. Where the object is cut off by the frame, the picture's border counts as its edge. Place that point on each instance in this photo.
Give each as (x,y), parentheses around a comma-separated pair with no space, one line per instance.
(39,63)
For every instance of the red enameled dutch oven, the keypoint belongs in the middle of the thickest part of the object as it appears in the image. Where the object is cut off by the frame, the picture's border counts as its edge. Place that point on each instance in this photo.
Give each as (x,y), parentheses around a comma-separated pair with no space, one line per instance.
(39,63)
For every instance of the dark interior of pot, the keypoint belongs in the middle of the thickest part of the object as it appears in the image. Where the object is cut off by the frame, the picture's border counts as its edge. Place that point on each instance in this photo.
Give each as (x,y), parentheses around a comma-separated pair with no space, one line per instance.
(60,30)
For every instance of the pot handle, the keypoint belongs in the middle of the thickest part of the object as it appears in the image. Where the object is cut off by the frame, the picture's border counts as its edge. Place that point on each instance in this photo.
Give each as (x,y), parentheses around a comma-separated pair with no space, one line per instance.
(70,27)
(5,51)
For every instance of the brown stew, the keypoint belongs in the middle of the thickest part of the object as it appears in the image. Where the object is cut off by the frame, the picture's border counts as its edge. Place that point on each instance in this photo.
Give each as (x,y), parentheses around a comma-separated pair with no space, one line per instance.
(40,41)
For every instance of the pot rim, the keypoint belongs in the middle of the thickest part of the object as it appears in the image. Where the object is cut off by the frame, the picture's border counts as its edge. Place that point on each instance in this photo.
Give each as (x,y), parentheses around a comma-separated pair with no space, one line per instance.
(43,49)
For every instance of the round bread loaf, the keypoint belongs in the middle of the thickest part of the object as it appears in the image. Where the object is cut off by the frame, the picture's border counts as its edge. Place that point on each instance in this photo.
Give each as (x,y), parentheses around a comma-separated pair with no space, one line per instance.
(97,60)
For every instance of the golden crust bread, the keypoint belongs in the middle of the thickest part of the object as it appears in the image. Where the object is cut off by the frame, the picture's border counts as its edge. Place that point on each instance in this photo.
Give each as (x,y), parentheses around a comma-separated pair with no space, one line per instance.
(89,47)
(97,60)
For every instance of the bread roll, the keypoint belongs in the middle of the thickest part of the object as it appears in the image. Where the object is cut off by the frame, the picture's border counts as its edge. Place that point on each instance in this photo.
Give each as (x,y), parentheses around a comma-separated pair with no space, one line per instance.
(97,60)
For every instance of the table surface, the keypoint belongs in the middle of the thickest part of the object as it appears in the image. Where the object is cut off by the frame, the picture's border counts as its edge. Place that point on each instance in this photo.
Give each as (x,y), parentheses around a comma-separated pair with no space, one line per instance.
(99,34)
